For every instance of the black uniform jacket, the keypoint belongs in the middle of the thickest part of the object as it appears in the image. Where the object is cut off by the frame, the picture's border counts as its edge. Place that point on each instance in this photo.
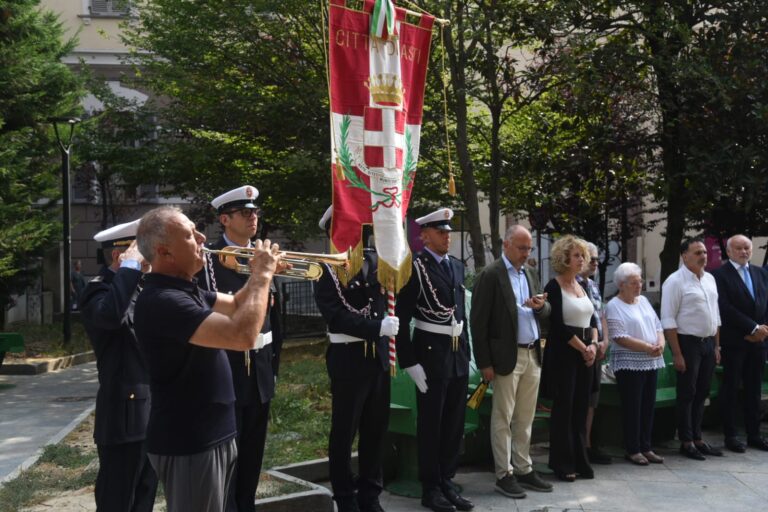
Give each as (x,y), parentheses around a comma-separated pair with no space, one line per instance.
(359,293)
(123,399)
(260,385)
(433,351)
(739,312)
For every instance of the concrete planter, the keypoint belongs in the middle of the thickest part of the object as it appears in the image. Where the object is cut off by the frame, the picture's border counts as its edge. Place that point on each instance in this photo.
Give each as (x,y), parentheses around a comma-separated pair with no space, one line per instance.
(314,498)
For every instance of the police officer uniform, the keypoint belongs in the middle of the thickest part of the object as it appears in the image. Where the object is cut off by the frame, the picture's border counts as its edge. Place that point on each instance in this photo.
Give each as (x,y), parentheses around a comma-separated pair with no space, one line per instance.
(253,372)
(434,298)
(126,480)
(357,364)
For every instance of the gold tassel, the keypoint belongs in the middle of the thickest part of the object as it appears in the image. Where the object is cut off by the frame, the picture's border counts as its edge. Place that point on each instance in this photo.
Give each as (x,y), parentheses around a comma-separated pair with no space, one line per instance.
(477,396)
(451,186)
(392,371)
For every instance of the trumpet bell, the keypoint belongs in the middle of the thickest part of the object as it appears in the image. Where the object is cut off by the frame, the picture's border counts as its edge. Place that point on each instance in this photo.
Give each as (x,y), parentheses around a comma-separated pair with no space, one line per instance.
(303,265)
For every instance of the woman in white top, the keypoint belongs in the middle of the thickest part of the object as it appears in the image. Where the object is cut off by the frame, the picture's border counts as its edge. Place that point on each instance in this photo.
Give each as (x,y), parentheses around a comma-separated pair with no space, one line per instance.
(636,357)
(567,375)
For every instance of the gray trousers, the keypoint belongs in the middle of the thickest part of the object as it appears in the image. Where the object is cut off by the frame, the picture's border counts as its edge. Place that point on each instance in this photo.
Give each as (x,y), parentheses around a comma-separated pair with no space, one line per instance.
(199,482)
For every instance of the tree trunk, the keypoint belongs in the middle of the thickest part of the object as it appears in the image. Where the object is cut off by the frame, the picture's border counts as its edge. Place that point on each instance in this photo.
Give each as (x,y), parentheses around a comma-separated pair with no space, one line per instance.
(457,62)
(494,193)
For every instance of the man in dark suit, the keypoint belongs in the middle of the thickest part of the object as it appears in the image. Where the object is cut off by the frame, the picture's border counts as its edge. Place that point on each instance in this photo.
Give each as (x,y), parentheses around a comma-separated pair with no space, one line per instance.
(507,307)
(743,299)
(253,372)
(126,480)
(437,359)
(358,367)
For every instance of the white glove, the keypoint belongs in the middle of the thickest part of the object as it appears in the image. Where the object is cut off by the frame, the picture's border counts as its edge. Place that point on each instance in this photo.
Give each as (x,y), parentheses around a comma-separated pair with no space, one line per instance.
(417,375)
(389,326)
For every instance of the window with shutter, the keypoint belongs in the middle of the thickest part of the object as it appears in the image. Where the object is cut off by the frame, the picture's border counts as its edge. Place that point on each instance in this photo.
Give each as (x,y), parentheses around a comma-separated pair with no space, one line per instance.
(114,7)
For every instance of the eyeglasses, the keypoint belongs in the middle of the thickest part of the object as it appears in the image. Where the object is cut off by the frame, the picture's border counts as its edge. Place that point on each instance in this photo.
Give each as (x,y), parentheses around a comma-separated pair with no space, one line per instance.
(594,260)
(246,212)
(523,248)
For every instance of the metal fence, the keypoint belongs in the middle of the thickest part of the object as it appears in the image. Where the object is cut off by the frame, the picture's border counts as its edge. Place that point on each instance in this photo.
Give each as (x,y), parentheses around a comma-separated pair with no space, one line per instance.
(301,317)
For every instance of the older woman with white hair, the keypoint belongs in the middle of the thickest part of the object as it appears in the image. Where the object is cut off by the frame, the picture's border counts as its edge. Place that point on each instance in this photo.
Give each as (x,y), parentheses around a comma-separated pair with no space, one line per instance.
(636,356)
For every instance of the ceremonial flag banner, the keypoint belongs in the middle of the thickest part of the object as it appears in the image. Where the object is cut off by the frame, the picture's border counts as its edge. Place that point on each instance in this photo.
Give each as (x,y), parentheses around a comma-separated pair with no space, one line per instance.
(377,96)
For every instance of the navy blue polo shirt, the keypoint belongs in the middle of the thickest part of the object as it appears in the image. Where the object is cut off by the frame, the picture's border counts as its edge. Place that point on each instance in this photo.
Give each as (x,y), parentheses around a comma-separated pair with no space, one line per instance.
(192,393)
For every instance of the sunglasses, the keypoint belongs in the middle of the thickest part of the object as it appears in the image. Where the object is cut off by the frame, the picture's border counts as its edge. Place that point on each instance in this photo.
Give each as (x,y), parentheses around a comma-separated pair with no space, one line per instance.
(246,213)
(594,260)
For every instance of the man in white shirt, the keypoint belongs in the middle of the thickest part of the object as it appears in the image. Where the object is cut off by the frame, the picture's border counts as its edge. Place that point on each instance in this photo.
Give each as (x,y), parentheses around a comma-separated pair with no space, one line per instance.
(691,321)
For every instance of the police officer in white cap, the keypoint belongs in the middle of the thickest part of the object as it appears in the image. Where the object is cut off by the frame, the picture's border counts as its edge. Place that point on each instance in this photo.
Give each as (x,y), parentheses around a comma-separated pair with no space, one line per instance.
(437,359)
(357,363)
(126,480)
(254,372)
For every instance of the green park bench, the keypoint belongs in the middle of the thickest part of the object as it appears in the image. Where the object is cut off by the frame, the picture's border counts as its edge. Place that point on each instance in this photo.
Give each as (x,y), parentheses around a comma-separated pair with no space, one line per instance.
(402,426)
(10,342)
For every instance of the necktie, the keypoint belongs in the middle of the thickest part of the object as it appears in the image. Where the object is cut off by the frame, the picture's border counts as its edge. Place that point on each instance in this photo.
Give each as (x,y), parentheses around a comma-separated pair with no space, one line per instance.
(447,268)
(748,281)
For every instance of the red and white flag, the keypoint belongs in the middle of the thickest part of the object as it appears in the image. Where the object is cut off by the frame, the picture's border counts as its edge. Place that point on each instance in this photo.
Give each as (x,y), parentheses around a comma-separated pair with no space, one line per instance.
(377,97)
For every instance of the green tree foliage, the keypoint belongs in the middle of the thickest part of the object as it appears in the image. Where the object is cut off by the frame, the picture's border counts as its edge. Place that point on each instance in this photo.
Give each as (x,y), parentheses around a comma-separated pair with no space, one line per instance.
(705,65)
(488,81)
(247,102)
(116,150)
(34,85)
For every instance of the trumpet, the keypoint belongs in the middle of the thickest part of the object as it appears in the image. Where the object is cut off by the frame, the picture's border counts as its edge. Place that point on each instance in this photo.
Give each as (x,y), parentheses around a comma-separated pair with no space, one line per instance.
(304,265)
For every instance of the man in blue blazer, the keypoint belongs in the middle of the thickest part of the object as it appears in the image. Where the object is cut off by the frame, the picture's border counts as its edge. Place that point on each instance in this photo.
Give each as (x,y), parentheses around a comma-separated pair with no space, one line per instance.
(743,299)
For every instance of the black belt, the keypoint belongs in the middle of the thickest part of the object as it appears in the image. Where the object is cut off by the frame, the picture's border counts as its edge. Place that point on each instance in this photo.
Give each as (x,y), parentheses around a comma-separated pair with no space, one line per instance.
(529,346)
(697,338)
(583,333)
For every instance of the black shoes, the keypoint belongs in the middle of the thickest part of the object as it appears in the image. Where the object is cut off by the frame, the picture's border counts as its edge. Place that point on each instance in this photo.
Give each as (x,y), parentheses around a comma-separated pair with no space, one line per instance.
(436,501)
(509,487)
(534,482)
(708,449)
(597,456)
(370,505)
(735,445)
(456,499)
(759,443)
(691,452)
(347,504)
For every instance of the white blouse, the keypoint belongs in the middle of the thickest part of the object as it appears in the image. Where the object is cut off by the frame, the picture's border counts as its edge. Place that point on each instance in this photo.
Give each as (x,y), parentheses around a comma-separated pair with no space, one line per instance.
(638,321)
(577,311)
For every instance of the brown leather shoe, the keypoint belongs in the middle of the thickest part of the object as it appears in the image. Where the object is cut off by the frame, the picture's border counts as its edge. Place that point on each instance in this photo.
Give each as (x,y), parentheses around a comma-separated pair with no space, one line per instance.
(653,458)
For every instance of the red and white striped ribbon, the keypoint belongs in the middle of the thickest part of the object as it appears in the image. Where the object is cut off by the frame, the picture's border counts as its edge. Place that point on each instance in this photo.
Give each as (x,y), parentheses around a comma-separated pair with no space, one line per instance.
(391,312)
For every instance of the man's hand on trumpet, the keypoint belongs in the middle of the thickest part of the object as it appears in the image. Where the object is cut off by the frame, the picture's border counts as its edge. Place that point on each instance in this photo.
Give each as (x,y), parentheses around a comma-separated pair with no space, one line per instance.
(265,260)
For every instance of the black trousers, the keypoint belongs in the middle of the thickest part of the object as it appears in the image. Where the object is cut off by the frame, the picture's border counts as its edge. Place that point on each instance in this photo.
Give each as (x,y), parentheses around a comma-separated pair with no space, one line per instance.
(360,405)
(439,429)
(126,481)
(693,385)
(568,419)
(743,363)
(637,390)
(252,421)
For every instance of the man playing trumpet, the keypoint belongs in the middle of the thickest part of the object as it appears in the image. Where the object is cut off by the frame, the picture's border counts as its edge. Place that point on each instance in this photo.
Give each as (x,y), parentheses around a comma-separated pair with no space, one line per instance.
(253,371)
(181,330)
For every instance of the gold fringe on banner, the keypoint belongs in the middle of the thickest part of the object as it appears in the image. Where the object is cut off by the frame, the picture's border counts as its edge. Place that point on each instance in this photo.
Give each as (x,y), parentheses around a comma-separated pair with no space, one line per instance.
(355,263)
(396,277)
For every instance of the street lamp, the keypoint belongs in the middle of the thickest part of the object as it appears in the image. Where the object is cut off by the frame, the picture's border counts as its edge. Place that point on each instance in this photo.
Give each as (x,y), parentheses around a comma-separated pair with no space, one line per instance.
(65,144)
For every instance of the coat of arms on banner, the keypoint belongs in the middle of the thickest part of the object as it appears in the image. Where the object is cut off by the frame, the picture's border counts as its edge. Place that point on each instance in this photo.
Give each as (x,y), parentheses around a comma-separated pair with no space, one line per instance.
(377,92)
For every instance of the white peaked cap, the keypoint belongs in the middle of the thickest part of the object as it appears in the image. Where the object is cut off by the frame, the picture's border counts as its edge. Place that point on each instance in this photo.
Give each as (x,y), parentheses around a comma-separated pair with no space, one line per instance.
(242,197)
(116,236)
(440,219)
(326,218)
